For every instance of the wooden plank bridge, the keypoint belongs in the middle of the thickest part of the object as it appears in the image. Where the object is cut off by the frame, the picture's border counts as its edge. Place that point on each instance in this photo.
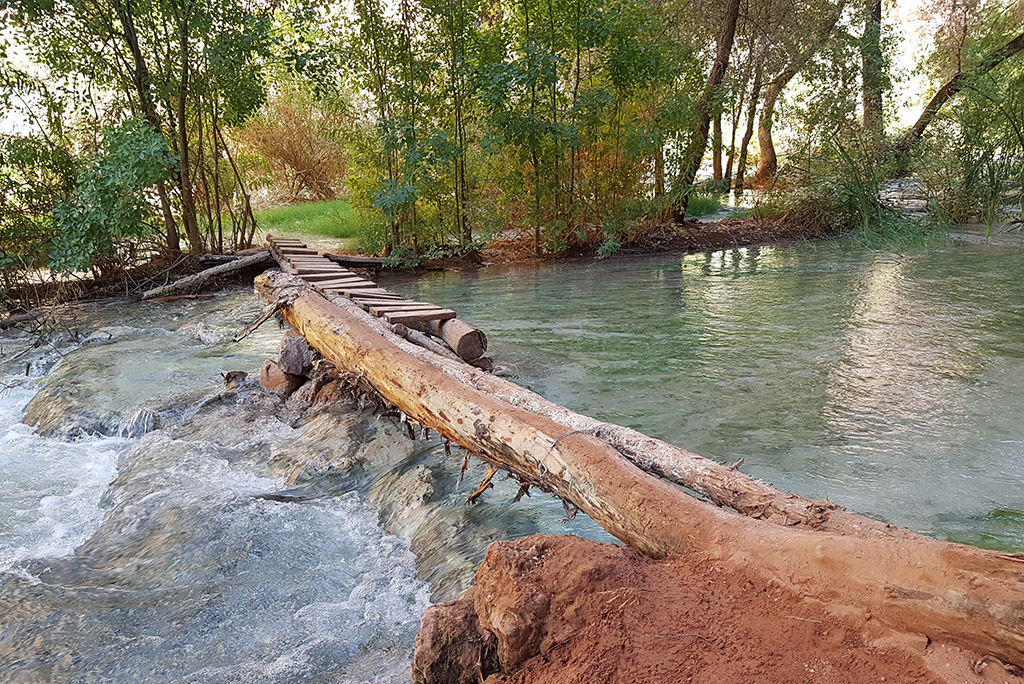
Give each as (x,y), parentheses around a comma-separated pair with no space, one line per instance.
(330,278)
(419,320)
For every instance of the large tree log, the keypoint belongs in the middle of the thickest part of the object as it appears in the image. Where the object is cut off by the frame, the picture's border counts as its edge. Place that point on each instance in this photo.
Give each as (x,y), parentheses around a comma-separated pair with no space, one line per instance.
(199,278)
(948,591)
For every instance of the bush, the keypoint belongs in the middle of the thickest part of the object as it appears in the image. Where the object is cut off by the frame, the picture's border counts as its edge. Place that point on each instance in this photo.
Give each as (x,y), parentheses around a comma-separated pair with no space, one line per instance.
(107,211)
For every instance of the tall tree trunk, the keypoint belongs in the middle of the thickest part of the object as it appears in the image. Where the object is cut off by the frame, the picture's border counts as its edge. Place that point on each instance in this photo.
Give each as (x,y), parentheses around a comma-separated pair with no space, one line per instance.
(872,70)
(659,169)
(141,80)
(738,112)
(716,145)
(699,139)
(769,165)
(953,86)
(748,133)
(188,203)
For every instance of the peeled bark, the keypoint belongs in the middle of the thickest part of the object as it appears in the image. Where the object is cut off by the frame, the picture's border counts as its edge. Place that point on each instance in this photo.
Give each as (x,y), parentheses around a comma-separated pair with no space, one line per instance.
(944,590)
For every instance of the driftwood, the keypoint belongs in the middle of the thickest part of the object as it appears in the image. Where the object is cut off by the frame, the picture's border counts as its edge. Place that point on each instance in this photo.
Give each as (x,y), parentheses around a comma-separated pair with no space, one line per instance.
(11,321)
(198,279)
(468,342)
(912,583)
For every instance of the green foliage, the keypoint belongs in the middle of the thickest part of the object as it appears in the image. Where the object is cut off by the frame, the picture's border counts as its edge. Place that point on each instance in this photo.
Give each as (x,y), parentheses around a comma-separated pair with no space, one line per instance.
(107,209)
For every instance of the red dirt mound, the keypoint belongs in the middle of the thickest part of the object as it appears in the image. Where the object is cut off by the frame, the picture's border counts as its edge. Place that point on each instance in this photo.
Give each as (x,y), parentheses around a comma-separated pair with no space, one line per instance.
(562,609)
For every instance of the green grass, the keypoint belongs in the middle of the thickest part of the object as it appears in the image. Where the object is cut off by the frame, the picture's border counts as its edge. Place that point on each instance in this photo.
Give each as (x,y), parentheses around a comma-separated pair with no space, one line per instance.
(332,219)
(702,205)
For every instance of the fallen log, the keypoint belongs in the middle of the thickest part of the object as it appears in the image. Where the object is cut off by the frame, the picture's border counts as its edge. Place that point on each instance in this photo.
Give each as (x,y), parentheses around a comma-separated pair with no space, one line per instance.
(11,321)
(907,582)
(423,340)
(468,342)
(200,278)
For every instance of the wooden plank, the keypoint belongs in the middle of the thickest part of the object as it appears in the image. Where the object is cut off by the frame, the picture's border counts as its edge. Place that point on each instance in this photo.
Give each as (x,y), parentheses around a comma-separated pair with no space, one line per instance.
(398,307)
(296,250)
(317,261)
(356,291)
(378,298)
(414,316)
(315,275)
(345,282)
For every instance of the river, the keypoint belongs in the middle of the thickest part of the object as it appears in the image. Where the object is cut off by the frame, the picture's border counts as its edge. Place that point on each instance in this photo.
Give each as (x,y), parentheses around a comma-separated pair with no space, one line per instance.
(159,527)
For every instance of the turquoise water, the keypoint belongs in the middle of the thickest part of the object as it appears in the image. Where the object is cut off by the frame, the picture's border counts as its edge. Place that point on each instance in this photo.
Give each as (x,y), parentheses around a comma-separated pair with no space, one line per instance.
(890,383)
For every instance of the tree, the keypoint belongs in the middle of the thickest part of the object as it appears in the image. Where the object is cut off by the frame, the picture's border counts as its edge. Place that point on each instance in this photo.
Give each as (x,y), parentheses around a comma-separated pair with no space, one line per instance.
(699,139)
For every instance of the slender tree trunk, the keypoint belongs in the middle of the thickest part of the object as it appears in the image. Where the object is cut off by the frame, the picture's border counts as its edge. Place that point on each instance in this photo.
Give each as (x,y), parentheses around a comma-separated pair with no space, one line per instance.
(188,203)
(659,169)
(769,165)
(755,92)
(699,139)
(953,86)
(872,68)
(716,145)
(738,112)
(141,80)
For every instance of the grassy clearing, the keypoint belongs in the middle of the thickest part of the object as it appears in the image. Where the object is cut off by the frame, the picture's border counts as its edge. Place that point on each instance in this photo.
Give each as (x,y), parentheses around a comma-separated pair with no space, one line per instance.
(333,219)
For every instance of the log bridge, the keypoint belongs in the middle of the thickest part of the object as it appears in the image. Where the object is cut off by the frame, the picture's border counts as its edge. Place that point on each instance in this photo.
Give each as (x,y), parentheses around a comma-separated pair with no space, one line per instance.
(642,490)
(328,277)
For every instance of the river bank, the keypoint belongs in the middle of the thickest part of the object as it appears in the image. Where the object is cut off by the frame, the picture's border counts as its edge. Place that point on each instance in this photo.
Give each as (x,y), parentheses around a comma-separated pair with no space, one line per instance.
(557,610)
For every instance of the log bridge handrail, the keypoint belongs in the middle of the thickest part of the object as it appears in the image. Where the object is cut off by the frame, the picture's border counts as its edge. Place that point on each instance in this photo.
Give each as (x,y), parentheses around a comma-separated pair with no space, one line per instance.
(326,276)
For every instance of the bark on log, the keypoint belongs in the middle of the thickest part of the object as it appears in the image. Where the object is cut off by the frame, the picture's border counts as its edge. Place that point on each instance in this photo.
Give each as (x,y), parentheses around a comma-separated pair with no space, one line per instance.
(468,342)
(948,591)
(203,276)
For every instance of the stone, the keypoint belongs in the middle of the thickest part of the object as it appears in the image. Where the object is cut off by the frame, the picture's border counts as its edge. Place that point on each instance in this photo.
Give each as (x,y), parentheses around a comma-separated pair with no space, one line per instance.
(296,356)
(451,648)
(275,379)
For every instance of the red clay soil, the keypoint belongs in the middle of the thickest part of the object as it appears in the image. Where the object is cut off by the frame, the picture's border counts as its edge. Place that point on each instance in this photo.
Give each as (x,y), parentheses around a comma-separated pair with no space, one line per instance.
(556,610)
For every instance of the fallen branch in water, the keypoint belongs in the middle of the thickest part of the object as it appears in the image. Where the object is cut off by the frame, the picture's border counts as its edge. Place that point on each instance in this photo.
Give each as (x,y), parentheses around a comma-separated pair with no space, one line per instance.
(197,280)
(944,590)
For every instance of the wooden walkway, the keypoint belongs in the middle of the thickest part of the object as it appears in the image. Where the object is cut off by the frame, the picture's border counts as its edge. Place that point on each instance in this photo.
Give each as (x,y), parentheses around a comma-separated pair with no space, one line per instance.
(330,278)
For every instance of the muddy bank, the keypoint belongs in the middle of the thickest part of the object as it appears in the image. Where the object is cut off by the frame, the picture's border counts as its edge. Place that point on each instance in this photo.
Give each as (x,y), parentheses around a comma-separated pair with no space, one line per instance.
(692,236)
(562,609)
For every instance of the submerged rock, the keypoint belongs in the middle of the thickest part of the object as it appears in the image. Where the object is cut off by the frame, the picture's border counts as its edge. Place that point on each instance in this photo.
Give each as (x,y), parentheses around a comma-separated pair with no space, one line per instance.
(275,379)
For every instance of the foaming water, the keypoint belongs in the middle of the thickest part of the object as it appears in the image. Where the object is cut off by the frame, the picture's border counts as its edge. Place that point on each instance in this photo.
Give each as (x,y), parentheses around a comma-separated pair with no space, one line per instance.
(890,383)
(49,500)
(142,537)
